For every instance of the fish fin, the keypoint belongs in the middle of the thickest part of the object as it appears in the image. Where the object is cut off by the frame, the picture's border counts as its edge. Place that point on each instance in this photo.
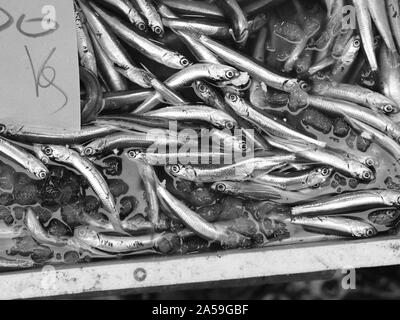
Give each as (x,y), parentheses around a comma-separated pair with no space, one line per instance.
(160,43)
(147,69)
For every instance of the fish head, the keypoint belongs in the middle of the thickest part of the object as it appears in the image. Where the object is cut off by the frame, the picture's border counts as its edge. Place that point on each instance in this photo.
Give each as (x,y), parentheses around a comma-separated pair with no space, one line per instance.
(220,72)
(226,187)
(56,152)
(361,171)
(237,104)
(186,172)
(370,162)
(240,145)
(93,148)
(365,231)
(383,104)
(239,83)
(38,151)
(223,120)
(319,176)
(10,128)
(203,90)
(86,235)
(391,197)
(136,154)
(40,172)
(157,29)
(176,59)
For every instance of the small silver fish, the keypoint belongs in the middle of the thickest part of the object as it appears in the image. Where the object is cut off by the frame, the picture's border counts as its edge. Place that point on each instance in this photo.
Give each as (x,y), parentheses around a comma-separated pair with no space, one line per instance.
(365,28)
(350,202)
(152,16)
(88,170)
(85,47)
(253,190)
(298,181)
(389,75)
(197,224)
(191,113)
(39,234)
(239,171)
(113,48)
(346,163)
(147,174)
(341,226)
(149,48)
(377,9)
(393,9)
(210,71)
(126,8)
(116,244)
(343,65)
(266,123)
(24,159)
(356,94)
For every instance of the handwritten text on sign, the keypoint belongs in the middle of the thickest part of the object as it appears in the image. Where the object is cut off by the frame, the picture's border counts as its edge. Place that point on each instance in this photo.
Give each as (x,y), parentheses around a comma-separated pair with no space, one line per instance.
(39,75)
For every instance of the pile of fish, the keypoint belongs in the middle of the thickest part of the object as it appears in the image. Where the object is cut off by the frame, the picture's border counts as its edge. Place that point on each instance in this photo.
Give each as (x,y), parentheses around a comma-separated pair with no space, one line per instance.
(248,123)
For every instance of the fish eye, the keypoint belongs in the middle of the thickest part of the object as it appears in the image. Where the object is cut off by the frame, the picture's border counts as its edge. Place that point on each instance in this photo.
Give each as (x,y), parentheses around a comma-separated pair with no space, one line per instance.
(141,26)
(388,108)
(229,125)
(366,175)
(48,151)
(316,186)
(370,232)
(202,88)
(356,43)
(233,97)
(370,162)
(229,74)
(175,169)
(133,153)
(88,151)
(243,146)
(2,128)
(325,171)
(157,30)
(184,62)
(42,174)
(304,86)
(221,187)
(300,69)
(376,41)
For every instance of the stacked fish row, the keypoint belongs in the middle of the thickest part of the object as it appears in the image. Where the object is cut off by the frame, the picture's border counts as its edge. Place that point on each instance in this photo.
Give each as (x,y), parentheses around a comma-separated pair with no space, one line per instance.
(304,56)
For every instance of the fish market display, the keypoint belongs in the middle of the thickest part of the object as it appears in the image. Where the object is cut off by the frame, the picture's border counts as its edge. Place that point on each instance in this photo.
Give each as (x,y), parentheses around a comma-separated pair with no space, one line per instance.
(210,125)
